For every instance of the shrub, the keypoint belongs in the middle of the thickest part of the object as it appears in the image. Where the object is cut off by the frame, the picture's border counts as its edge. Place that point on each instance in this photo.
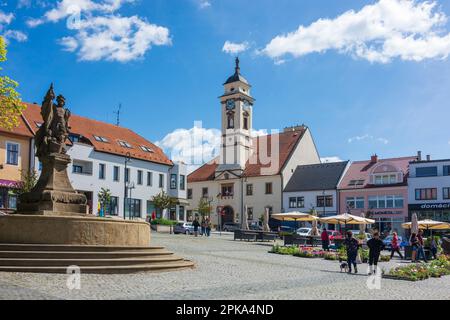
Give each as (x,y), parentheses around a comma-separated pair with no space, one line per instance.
(163,222)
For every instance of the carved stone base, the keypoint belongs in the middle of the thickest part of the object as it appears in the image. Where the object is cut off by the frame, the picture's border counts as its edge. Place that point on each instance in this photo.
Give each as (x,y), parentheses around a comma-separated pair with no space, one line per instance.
(53,192)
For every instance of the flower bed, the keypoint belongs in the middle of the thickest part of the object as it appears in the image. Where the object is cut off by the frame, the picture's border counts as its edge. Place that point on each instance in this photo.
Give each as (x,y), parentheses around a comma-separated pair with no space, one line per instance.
(421,271)
(310,252)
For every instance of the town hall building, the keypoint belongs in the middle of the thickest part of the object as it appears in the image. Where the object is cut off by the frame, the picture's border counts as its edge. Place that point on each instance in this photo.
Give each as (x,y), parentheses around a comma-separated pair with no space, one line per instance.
(251,172)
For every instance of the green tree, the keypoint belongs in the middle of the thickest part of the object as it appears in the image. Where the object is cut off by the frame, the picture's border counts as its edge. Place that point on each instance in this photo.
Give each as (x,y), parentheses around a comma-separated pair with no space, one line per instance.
(11,106)
(104,197)
(204,208)
(28,181)
(163,201)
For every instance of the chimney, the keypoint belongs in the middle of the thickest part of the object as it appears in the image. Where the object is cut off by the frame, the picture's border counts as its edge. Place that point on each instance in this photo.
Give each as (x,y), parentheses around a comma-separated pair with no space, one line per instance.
(374,158)
(419,155)
(428,157)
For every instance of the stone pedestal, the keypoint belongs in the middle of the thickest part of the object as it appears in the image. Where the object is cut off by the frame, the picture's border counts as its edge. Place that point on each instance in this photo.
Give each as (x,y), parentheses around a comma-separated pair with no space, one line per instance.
(53,193)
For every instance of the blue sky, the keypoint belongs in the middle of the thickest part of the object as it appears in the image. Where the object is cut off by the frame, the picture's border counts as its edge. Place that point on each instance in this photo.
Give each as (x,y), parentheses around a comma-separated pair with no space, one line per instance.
(360,89)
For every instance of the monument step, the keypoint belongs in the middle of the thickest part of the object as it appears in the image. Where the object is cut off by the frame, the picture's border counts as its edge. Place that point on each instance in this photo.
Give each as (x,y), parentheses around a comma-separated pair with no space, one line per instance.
(88,262)
(125,269)
(83,255)
(78,248)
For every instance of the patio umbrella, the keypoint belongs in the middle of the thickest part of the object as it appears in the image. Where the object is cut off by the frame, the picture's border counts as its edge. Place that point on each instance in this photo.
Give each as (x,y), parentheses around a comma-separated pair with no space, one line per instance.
(346,219)
(245,219)
(266,220)
(362,227)
(427,225)
(414,224)
(315,230)
(294,216)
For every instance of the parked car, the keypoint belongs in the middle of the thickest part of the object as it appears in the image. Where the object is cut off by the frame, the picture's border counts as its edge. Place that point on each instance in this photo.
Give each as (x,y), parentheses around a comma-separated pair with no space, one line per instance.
(333,234)
(230,227)
(305,232)
(388,239)
(255,226)
(184,228)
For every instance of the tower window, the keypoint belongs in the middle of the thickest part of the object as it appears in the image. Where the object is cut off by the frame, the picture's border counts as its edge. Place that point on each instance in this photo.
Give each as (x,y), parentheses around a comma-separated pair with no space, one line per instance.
(245,123)
(230,120)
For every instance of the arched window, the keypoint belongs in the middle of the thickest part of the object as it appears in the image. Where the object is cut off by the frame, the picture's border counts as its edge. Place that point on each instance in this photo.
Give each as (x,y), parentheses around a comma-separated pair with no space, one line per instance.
(230,120)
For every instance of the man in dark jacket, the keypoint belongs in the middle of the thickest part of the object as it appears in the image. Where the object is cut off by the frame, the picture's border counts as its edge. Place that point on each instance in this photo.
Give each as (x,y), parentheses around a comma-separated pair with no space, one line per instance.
(196,224)
(352,245)
(375,246)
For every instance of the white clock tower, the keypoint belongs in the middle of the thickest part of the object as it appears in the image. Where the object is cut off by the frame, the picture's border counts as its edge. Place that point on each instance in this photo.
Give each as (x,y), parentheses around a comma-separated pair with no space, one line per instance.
(237,113)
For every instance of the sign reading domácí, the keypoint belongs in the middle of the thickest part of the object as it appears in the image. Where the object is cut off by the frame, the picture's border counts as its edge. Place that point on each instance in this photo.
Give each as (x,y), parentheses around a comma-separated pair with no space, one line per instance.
(428,206)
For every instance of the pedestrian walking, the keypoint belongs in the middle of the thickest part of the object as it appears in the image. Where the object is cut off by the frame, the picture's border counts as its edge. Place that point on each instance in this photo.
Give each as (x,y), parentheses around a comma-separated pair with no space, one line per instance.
(196,224)
(208,227)
(325,240)
(420,248)
(414,243)
(434,247)
(395,246)
(375,246)
(203,227)
(352,246)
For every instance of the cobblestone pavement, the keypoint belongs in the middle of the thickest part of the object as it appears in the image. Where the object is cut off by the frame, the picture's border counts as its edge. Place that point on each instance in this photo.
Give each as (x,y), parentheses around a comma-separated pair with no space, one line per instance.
(225,270)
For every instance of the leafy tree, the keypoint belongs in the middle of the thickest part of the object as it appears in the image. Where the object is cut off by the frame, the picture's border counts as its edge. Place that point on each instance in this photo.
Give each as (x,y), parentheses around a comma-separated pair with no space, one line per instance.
(104,197)
(204,208)
(163,201)
(29,180)
(11,106)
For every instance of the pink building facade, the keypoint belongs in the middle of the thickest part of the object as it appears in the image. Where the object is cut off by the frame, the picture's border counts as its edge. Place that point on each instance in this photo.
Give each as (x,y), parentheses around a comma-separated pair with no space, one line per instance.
(377,187)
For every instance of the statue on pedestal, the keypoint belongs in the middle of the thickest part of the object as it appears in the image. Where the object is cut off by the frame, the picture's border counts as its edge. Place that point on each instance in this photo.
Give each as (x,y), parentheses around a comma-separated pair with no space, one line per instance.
(53,193)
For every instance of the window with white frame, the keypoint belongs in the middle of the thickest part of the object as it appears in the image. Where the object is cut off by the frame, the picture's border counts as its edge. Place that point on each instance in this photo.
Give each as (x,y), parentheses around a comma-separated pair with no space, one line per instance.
(12,153)
(385,179)
(355,202)
(386,202)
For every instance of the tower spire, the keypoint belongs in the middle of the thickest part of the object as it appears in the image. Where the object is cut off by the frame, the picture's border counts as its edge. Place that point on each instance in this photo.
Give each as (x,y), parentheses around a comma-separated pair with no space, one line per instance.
(238,69)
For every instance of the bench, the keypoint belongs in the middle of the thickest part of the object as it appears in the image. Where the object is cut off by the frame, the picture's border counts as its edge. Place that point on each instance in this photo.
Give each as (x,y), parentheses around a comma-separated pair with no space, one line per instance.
(245,235)
(268,236)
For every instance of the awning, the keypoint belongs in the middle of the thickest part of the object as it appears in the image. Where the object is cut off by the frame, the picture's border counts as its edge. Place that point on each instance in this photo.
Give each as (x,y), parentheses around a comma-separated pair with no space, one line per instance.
(9,184)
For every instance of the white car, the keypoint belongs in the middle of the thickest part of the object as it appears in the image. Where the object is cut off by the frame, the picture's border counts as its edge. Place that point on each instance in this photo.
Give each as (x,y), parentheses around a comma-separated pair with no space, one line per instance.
(304,232)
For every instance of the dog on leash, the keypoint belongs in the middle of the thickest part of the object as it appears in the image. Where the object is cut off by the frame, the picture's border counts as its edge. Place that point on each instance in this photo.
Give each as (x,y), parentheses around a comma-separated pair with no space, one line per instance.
(343,265)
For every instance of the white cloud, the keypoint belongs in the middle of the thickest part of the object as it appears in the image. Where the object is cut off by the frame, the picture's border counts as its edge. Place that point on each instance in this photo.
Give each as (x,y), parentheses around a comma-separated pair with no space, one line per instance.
(67,8)
(367,137)
(235,48)
(6,18)
(115,38)
(330,159)
(9,34)
(194,146)
(15,35)
(405,29)
(204,4)
(101,33)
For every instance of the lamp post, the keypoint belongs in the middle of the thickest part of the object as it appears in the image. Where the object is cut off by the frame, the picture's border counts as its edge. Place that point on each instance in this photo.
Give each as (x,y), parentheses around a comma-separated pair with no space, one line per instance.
(125,178)
(130,187)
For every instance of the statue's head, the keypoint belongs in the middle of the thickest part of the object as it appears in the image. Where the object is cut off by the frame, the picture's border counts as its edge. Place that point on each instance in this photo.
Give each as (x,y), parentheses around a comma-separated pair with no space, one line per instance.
(61,101)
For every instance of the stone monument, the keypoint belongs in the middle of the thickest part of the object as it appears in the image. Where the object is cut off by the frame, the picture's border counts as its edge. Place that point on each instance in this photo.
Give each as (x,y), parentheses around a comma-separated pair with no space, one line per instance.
(53,193)
(51,230)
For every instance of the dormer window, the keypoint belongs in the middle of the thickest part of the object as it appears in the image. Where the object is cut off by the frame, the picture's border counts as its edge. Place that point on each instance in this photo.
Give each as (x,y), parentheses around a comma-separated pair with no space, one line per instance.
(147,149)
(356,183)
(385,179)
(125,144)
(100,139)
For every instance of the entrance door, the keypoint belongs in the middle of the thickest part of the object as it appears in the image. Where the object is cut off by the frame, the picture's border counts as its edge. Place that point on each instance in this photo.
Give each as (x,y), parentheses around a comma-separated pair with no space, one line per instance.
(228,215)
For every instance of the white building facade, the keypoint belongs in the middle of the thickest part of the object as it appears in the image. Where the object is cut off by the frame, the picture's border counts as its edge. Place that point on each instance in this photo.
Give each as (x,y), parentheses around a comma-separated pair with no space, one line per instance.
(132,168)
(429,189)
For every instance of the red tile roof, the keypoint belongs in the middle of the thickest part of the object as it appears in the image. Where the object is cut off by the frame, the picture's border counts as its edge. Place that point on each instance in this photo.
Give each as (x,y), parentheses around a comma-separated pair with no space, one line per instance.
(287,141)
(88,128)
(361,170)
(22,129)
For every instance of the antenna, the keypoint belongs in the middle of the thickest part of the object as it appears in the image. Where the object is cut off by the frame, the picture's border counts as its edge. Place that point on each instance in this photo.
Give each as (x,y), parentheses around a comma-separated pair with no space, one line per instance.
(118,115)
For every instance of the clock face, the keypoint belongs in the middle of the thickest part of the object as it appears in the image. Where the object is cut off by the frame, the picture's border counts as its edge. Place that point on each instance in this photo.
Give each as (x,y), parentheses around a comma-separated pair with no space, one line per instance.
(230,104)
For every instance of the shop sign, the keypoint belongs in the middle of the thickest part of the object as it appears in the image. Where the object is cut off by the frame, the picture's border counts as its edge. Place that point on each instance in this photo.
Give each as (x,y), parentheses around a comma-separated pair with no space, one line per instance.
(429,206)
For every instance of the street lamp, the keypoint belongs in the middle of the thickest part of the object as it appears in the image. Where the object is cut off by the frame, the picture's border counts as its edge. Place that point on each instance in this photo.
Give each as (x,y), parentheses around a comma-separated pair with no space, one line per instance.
(130,187)
(125,178)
